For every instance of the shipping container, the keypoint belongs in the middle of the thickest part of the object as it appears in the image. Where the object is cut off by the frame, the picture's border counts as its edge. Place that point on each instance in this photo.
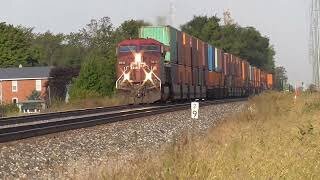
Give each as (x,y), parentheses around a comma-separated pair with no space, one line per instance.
(214,79)
(243,72)
(263,79)
(226,64)
(184,50)
(270,81)
(258,77)
(210,58)
(233,65)
(164,34)
(195,76)
(201,54)
(206,71)
(180,49)
(239,67)
(189,76)
(201,76)
(188,50)
(218,60)
(236,70)
(205,56)
(194,56)
(181,75)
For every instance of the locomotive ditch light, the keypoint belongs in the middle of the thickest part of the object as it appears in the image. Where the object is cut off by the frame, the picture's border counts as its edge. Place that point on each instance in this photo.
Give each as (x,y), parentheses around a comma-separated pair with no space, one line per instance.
(148,76)
(126,76)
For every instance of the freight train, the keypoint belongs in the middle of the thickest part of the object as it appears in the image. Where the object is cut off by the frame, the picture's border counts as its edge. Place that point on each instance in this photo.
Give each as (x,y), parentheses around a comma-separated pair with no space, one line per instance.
(165,64)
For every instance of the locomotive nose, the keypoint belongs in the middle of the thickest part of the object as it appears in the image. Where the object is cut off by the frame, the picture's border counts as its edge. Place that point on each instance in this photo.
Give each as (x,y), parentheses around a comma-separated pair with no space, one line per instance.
(138,58)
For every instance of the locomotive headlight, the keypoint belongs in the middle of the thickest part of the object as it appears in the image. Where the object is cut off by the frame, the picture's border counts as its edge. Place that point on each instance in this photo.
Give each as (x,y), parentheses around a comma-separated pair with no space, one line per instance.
(138,58)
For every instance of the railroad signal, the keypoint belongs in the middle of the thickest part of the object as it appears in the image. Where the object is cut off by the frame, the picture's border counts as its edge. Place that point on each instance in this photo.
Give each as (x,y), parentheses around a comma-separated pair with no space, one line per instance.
(195,110)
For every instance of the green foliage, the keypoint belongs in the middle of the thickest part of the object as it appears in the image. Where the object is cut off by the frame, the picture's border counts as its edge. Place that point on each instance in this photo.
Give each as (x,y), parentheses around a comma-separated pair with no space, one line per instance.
(49,47)
(15,46)
(7,109)
(280,78)
(61,78)
(130,29)
(246,42)
(95,79)
(35,95)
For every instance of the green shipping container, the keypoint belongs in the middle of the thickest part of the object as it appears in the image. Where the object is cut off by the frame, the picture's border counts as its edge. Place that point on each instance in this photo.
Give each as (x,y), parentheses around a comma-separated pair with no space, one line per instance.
(164,34)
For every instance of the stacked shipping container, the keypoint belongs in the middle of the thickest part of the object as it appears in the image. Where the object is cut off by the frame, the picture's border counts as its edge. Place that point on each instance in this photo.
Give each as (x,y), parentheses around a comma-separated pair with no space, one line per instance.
(196,63)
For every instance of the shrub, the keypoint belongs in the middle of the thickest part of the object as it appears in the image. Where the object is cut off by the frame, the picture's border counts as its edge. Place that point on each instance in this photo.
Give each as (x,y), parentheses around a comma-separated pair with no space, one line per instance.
(8,109)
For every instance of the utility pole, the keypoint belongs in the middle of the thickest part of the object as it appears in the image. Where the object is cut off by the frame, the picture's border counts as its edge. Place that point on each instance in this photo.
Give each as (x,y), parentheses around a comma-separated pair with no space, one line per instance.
(315,41)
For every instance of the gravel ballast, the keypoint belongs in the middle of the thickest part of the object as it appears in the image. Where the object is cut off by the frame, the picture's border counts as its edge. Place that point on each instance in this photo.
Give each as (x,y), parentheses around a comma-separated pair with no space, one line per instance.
(53,156)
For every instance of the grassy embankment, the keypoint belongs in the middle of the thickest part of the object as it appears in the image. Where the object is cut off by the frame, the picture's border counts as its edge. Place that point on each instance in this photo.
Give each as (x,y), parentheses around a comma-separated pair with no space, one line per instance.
(88,103)
(273,138)
(94,102)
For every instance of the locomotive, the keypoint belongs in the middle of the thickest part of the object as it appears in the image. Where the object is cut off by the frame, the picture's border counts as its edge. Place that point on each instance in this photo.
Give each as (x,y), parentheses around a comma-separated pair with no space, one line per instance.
(165,64)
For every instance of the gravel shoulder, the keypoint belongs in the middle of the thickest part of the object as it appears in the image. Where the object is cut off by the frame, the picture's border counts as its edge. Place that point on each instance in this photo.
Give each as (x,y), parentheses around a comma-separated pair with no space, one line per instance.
(55,156)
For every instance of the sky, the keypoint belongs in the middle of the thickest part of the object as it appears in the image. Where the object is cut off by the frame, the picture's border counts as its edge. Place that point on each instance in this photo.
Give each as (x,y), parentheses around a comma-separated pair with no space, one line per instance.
(285,22)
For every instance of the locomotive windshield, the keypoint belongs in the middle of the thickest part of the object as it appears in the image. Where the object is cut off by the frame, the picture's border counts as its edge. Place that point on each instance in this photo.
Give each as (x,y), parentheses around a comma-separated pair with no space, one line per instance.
(152,48)
(127,48)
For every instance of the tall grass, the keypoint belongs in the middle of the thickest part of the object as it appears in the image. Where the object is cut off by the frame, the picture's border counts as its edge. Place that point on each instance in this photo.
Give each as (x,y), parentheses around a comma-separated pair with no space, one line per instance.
(8,110)
(275,137)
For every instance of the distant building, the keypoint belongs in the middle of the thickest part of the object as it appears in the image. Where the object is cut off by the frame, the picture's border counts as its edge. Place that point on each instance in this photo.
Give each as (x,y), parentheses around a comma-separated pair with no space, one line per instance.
(17,84)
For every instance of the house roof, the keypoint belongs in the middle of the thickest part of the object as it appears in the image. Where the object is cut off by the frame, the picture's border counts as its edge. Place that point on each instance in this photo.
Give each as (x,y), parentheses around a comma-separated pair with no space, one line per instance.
(24,73)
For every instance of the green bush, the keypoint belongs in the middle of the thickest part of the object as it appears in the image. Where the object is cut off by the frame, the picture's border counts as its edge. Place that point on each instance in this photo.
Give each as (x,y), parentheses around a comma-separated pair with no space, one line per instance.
(8,109)
(96,79)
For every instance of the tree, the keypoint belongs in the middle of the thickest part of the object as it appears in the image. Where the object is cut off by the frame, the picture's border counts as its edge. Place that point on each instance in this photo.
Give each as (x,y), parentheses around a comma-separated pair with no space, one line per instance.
(130,29)
(280,78)
(15,46)
(246,43)
(35,95)
(61,77)
(93,80)
(49,47)
(203,27)
(97,74)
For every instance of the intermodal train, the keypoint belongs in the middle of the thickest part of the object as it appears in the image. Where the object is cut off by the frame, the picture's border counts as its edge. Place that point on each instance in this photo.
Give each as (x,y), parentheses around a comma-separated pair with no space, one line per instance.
(165,64)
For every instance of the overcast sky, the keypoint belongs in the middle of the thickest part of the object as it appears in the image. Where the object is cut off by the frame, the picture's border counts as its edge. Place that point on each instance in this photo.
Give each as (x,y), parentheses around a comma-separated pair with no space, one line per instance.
(285,22)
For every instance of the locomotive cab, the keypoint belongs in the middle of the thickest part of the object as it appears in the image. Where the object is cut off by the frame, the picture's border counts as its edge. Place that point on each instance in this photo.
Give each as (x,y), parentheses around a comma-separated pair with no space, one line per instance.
(139,69)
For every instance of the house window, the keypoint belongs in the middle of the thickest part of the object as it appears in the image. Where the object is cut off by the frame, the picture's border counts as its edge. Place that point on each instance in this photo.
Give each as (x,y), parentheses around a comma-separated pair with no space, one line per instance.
(38,85)
(14,100)
(14,86)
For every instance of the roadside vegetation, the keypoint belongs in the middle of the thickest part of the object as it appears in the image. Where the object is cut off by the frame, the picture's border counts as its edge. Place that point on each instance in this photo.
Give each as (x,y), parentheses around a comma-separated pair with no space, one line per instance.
(8,110)
(274,137)
(92,102)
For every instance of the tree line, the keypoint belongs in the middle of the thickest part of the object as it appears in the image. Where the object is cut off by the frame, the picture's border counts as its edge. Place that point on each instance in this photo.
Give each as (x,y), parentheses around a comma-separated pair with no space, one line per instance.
(91,50)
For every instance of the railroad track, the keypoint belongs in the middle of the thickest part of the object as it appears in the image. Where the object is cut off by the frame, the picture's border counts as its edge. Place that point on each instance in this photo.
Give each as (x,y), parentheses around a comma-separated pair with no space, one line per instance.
(17,128)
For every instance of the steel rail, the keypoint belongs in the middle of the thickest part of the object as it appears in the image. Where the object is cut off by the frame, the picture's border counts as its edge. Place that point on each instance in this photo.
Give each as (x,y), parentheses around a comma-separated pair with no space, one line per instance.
(62,114)
(42,128)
